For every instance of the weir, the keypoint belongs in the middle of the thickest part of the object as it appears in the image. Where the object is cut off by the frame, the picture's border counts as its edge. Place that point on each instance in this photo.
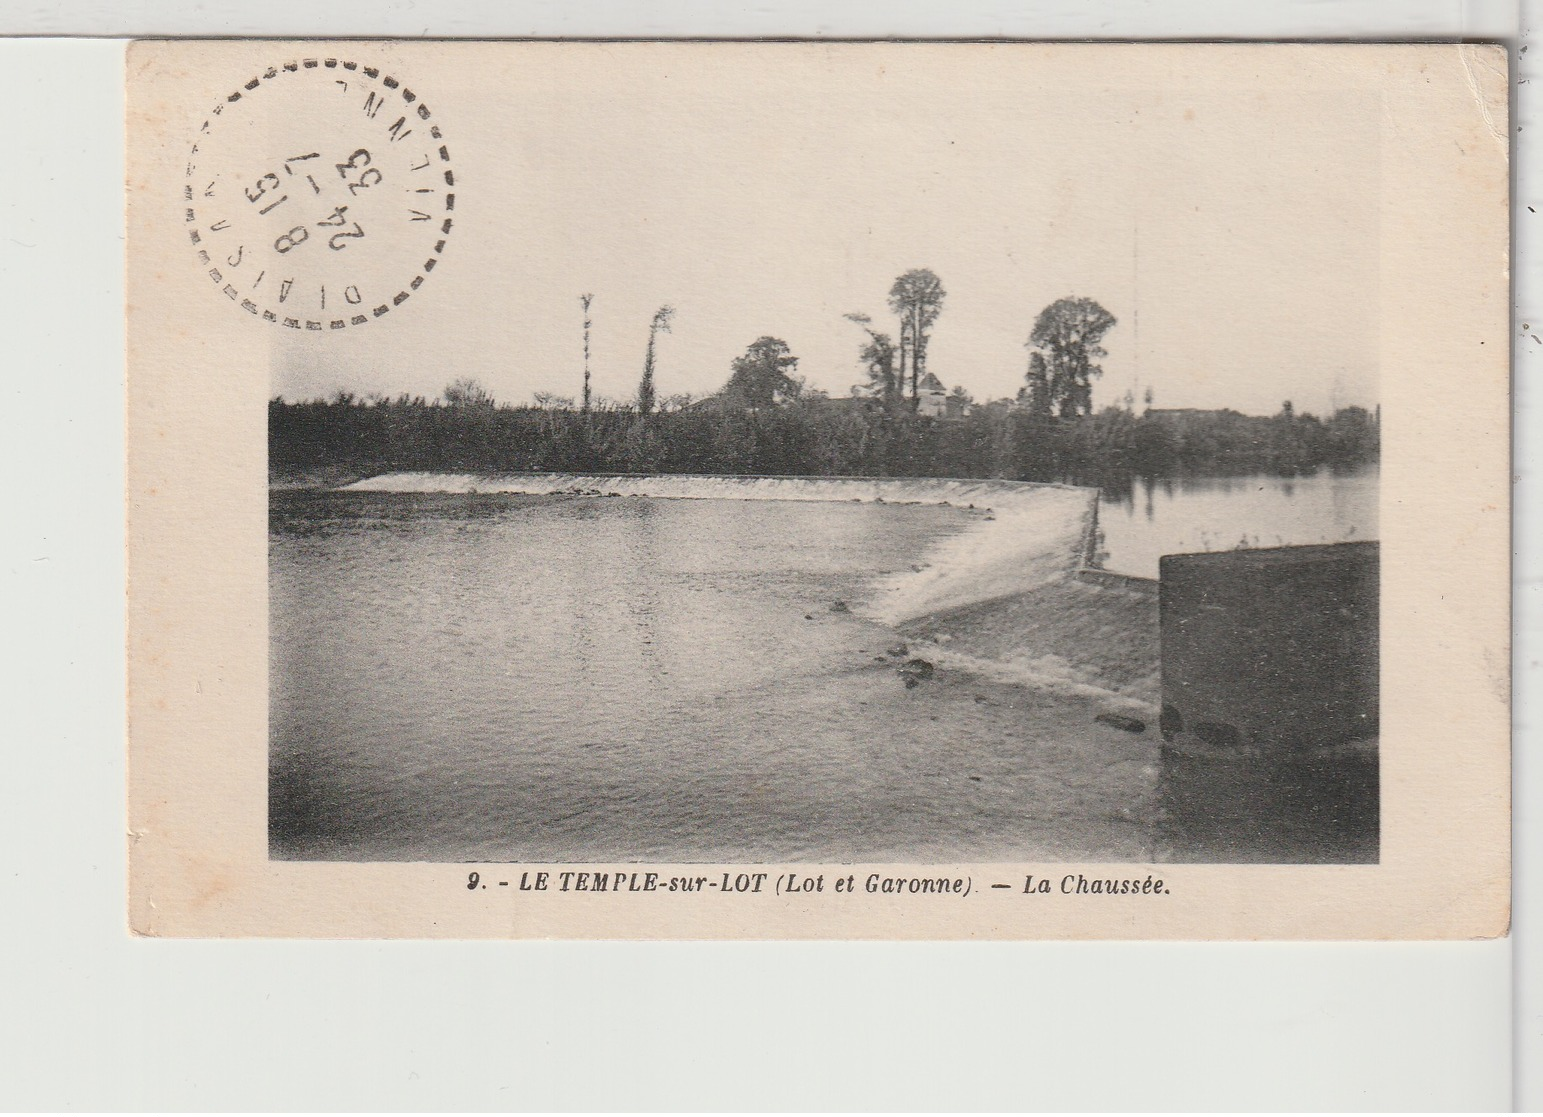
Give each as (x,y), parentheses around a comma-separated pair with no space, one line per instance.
(1026,535)
(1264,661)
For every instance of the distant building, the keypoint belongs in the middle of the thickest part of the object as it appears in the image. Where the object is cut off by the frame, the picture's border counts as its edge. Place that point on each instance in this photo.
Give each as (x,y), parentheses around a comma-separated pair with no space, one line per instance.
(958,408)
(931,397)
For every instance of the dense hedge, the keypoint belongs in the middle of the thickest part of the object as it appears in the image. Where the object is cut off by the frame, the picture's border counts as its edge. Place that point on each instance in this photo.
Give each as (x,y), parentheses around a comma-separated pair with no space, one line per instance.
(817,437)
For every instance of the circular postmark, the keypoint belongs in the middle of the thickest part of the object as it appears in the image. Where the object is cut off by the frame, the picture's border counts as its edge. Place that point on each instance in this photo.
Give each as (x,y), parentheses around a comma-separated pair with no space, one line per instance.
(319,194)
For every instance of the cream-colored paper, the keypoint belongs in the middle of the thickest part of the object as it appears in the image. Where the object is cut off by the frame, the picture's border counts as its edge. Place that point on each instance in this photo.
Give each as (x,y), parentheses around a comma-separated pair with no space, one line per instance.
(1294,207)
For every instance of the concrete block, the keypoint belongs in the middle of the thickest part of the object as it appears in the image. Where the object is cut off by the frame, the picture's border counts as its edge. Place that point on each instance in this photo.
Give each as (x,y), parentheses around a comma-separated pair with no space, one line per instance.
(1270,650)
(1270,705)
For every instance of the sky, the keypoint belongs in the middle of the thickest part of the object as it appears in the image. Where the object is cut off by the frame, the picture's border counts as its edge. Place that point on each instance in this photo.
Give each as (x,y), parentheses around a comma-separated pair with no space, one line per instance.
(1228,219)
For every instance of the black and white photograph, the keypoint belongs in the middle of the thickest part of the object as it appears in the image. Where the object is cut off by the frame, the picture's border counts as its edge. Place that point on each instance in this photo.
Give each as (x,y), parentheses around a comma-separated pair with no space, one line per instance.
(923,477)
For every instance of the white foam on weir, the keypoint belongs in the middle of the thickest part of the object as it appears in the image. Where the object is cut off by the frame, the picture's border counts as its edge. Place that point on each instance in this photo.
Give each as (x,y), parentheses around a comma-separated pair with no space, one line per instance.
(1034,534)
(1036,537)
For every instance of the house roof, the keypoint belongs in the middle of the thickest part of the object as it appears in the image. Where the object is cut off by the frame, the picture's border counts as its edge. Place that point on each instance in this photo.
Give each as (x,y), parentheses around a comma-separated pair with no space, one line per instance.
(930,383)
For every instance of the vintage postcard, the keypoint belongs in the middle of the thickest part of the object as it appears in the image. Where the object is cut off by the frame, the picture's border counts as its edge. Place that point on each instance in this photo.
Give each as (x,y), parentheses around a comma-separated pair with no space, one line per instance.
(818,490)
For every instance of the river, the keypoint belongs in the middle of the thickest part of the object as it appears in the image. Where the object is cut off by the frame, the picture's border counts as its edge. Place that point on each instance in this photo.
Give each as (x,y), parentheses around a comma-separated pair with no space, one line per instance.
(489,676)
(458,674)
(1161,516)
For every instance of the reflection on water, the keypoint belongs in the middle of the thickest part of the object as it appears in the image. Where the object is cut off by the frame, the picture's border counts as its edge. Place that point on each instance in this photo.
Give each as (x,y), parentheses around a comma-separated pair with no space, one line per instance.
(1163,516)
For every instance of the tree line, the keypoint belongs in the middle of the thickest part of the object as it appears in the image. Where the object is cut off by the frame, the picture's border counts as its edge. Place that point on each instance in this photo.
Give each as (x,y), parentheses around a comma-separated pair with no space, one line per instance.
(808,436)
(764,376)
(1064,349)
(765,420)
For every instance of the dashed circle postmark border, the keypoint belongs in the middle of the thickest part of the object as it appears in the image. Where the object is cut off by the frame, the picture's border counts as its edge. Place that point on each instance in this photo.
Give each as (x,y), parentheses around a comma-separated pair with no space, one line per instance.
(399,113)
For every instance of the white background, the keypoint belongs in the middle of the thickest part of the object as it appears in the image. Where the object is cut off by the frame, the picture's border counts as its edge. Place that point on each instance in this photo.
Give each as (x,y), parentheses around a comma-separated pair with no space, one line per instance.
(90,1018)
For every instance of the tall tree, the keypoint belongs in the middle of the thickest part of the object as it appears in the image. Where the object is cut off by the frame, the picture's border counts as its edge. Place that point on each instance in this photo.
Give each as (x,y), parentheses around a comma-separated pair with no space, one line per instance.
(763,377)
(1067,333)
(878,358)
(1036,393)
(917,297)
(646,392)
(585,300)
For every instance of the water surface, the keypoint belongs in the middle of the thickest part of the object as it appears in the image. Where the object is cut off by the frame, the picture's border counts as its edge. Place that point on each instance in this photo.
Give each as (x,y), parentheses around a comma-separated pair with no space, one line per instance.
(1162,516)
(502,677)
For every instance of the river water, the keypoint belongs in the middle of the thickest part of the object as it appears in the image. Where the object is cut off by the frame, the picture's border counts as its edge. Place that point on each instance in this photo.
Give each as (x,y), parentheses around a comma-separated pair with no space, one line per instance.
(468,675)
(1161,516)
(554,678)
